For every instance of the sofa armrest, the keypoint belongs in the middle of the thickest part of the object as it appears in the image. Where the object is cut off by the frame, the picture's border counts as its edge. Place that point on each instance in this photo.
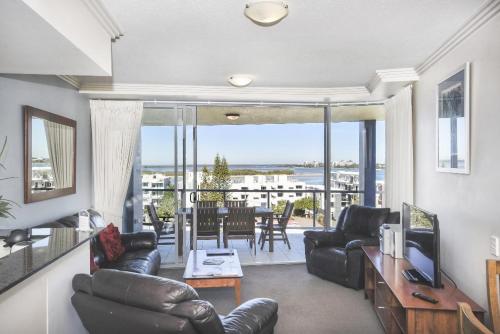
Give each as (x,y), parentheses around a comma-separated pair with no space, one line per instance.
(355,244)
(252,316)
(139,240)
(325,238)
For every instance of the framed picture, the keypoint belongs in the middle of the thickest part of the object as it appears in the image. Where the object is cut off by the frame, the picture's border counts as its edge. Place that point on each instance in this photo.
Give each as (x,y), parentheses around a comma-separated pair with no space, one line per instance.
(453,122)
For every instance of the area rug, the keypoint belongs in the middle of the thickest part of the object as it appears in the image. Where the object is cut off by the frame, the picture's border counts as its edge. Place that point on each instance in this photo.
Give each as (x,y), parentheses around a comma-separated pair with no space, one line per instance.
(307,304)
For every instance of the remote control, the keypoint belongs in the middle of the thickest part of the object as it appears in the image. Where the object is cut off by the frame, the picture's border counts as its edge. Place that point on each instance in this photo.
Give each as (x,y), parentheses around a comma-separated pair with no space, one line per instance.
(425,297)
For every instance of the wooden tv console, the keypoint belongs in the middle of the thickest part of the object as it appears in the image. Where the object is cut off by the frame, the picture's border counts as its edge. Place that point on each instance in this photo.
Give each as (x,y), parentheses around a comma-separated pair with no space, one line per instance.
(396,308)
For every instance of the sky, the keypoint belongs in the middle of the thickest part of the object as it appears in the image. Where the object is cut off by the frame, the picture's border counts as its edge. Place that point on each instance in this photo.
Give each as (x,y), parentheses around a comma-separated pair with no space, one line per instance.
(259,144)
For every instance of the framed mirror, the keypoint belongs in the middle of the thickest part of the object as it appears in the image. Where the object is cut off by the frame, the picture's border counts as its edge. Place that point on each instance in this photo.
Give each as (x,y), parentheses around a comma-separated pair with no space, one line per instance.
(49,155)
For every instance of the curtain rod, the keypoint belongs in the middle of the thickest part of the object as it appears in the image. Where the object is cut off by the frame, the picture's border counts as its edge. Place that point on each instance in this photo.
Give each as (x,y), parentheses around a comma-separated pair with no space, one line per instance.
(256,104)
(264,104)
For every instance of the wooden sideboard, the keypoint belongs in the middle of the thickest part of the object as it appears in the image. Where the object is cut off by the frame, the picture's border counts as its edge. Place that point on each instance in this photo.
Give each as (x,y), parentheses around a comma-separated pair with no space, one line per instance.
(400,312)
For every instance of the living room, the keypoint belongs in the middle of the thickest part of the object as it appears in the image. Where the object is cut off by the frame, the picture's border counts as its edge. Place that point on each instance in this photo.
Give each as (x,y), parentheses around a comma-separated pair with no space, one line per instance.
(81,80)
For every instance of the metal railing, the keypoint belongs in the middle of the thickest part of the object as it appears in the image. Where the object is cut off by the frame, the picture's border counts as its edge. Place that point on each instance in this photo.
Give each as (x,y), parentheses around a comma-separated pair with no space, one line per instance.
(347,196)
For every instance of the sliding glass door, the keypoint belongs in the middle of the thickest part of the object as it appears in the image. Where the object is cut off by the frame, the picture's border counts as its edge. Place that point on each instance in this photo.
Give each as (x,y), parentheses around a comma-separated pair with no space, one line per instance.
(185,171)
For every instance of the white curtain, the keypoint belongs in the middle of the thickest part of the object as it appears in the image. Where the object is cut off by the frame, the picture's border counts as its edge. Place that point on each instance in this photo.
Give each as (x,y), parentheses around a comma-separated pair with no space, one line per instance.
(399,150)
(115,129)
(60,143)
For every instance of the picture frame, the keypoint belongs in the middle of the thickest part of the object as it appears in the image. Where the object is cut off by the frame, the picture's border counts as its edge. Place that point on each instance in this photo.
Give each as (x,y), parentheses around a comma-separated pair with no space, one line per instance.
(453,122)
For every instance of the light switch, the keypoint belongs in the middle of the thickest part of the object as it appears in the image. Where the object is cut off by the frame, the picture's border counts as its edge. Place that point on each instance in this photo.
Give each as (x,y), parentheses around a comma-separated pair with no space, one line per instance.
(494,245)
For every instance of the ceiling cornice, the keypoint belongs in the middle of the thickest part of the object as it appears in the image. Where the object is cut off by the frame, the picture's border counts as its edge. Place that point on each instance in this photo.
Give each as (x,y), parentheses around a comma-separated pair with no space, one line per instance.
(105,19)
(485,13)
(382,77)
(71,79)
(223,92)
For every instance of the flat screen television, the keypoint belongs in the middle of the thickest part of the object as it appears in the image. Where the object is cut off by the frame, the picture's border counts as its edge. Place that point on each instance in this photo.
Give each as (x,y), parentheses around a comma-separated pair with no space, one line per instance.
(421,246)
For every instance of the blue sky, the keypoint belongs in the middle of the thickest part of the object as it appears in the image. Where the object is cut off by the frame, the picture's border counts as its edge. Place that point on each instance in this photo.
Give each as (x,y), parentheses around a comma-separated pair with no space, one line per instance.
(260,144)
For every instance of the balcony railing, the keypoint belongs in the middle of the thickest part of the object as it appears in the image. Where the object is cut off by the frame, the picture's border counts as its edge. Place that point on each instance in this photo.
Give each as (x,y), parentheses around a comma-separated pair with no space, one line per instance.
(347,197)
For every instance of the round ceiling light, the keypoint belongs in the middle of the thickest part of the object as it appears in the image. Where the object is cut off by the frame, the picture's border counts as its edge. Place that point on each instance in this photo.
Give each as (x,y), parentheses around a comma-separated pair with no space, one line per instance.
(232,116)
(240,80)
(266,13)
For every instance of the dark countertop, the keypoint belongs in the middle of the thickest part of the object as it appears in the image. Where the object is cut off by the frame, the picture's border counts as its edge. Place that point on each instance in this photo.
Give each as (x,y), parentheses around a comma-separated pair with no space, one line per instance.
(50,244)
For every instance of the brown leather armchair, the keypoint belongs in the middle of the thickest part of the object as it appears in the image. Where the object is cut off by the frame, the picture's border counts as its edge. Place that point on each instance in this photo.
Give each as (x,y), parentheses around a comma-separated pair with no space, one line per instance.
(336,255)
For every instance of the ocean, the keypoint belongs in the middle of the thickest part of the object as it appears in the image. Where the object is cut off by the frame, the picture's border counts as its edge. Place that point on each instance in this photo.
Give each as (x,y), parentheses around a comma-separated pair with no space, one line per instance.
(309,175)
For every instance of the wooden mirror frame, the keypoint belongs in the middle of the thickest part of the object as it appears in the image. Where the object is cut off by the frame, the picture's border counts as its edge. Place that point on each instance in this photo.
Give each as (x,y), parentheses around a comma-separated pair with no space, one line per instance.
(29,113)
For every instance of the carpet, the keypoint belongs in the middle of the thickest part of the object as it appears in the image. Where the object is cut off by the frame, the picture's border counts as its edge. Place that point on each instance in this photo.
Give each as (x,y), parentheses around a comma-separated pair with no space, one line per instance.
(307,304)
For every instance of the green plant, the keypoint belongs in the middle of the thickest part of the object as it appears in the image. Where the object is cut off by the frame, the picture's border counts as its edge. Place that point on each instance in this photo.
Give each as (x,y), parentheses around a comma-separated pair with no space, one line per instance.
(303,204)
(218,178)
(167,204)
(279,207)
(6,205)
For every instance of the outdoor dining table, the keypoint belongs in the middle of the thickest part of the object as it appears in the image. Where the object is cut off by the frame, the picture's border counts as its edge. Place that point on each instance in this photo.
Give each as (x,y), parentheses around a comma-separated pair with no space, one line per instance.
(266,214)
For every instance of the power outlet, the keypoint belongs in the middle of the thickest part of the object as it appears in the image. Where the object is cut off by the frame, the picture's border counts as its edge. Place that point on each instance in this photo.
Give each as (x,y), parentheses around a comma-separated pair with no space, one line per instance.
(494,245)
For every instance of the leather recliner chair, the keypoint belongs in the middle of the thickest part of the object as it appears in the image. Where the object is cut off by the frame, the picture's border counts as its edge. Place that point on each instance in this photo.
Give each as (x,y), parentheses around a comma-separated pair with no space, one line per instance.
(114,301)
(336,255)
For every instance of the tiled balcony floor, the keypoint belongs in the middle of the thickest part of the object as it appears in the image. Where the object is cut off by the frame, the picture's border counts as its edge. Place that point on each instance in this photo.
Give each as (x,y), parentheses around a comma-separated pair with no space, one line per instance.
(281,252)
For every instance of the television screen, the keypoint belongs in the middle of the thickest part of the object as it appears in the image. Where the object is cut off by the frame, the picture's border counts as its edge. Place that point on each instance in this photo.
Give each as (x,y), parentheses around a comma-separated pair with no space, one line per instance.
(421,243)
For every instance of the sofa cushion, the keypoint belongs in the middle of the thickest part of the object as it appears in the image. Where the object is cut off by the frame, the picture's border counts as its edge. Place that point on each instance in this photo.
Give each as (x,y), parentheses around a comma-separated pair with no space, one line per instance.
(364,221)
(144,291)
(111,242)
(145,261)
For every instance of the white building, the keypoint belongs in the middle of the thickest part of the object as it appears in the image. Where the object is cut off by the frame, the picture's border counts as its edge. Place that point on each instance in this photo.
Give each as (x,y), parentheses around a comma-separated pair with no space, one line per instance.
(154,181)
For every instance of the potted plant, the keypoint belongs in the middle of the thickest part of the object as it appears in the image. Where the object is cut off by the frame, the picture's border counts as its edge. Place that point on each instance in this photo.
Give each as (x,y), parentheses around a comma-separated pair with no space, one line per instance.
(6,205)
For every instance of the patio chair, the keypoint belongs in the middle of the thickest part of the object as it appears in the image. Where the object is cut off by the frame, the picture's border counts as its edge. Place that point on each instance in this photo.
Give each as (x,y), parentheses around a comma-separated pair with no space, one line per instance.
(235,204)
(207,204)
(279,229)
(208,226)
(240,224)
(163,229)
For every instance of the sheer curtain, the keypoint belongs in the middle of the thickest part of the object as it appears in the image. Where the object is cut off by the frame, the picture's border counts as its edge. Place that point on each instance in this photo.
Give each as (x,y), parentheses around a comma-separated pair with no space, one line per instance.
(115,130)
(399,150)
(60,143)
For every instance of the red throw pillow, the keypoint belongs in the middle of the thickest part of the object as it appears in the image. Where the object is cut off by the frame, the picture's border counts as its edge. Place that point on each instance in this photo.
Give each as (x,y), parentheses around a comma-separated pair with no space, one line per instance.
(111,242)
(93,266)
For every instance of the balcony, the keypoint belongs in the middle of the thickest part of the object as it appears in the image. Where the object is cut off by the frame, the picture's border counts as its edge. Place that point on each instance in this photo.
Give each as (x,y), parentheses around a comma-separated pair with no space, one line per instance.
(301,220)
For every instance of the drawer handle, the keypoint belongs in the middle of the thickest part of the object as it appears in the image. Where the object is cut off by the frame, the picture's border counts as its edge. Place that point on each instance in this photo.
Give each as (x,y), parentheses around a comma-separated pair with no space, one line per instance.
(381,307)
(380,282)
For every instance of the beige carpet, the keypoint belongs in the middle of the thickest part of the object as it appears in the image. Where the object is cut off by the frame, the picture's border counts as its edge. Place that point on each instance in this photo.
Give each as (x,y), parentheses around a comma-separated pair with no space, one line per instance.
(307,304)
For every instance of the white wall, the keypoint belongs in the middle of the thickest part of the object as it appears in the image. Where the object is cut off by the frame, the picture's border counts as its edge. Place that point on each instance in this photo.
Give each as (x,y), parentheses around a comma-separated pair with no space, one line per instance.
(468,206)
(53,95)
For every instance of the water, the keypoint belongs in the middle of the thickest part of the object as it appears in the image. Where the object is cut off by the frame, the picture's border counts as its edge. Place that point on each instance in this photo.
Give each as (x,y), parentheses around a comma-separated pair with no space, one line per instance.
(312,175)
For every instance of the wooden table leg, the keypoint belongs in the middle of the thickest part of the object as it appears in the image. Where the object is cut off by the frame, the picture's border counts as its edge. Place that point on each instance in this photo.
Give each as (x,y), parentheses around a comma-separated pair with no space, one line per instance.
(237,291)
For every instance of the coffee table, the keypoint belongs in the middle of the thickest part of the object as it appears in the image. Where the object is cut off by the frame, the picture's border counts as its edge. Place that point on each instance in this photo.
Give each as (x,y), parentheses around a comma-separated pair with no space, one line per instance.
(225,275)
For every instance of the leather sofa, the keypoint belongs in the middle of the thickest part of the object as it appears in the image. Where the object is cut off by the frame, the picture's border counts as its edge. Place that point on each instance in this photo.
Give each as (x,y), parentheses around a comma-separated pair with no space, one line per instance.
(141,253)
(113,301)
(336,255)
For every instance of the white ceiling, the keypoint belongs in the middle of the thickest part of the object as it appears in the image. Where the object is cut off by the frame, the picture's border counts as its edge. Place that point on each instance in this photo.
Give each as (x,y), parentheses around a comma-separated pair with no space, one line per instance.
(322,43)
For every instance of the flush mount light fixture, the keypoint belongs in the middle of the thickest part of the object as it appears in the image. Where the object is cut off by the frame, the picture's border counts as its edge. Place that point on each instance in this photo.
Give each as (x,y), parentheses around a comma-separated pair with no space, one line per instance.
(232,116)
(240,80)
(266,13)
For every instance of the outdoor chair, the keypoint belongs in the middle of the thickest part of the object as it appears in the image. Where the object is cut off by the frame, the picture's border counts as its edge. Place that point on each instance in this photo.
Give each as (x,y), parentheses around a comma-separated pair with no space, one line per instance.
(235,204)
(163,229)
(207,204)
(240,224)
(208,227)
(279,228)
